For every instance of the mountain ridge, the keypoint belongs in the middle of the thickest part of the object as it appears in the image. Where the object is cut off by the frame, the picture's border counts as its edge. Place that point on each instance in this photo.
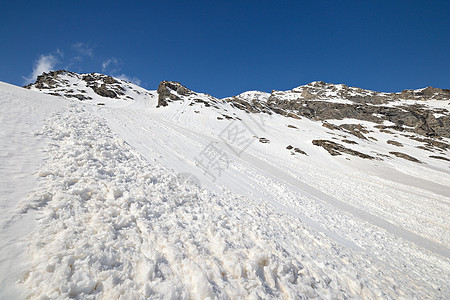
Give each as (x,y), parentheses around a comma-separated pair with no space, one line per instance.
(408,110)
(429,92)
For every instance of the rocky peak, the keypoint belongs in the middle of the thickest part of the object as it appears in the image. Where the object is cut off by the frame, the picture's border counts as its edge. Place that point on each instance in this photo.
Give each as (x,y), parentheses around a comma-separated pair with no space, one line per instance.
(408,110)
(49,80)
(103,85)
(319,90)
(171,91)
(428,93)
(251,101)
(81,86)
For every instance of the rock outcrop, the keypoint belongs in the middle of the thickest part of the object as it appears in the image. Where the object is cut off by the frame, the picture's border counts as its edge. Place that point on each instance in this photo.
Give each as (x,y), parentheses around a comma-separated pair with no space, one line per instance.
(405,156)
(337,149)
(60,83)
(103,85)
(171,91)
(322,101)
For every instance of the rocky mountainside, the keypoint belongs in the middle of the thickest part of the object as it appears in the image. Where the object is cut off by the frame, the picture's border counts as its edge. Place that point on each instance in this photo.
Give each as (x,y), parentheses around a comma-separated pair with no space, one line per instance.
(419,115)
(83,86)
(422,115)
(408,111)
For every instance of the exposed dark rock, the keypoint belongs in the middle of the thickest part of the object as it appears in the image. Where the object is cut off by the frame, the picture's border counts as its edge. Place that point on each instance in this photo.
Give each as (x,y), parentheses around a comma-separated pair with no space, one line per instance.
(406,156)
(337,149)
(427,93)
(264,140)
(206,103)
(291,115)
(395,143)
(89,78)
(330,126)
(103,85)
(297,150)
(171,91)
(313,102)
(78,96)
(432,143)
(104,91)
(292,126)
(425,148)
(350,142)
(47,80)
(354,129)
(250,106)
(439,157)
(385,129)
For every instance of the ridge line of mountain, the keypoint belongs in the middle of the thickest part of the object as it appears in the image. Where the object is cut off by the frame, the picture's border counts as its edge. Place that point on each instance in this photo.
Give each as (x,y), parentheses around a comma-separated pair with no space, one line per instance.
(423,111)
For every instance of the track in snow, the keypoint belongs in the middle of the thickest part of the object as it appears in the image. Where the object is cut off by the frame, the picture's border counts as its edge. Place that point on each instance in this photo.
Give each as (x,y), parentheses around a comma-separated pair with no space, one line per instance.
(255,178)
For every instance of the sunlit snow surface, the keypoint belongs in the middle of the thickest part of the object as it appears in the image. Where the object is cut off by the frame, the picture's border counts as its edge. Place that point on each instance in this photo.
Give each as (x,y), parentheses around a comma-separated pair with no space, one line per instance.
(105,211)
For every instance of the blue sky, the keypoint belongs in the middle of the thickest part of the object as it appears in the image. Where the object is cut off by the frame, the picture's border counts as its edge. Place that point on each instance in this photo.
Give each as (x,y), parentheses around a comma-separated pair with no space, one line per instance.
(226,47)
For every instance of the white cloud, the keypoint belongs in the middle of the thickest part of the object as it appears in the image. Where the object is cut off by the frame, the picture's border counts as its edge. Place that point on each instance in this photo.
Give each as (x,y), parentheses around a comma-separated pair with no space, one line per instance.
(113,64)
(45,63)
(134,80)
(83,49)
(109,61)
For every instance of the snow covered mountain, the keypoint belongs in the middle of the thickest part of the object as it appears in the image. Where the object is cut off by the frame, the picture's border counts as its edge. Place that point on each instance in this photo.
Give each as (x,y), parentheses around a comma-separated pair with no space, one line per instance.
(417,115)
(322,191)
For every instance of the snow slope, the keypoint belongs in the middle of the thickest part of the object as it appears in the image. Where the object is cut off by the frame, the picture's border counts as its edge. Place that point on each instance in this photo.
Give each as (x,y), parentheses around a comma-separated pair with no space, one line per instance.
(22,114)
(129,205)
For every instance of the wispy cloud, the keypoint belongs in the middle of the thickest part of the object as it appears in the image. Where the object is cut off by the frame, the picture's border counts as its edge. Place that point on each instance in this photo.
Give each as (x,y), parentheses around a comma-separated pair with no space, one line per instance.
(134,80)
(75,58)
(110,61)
(59,52)
(113,66)
(45,63)
(84,49)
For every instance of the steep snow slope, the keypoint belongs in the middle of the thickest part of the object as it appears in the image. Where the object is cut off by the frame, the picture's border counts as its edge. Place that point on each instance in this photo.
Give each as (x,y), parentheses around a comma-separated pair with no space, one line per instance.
(22,113)
(197,198)
(115,224)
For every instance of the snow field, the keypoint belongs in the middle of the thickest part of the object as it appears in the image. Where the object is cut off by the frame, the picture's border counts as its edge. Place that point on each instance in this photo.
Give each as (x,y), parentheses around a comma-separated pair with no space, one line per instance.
(395,223)
(22,113)
(113,225)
